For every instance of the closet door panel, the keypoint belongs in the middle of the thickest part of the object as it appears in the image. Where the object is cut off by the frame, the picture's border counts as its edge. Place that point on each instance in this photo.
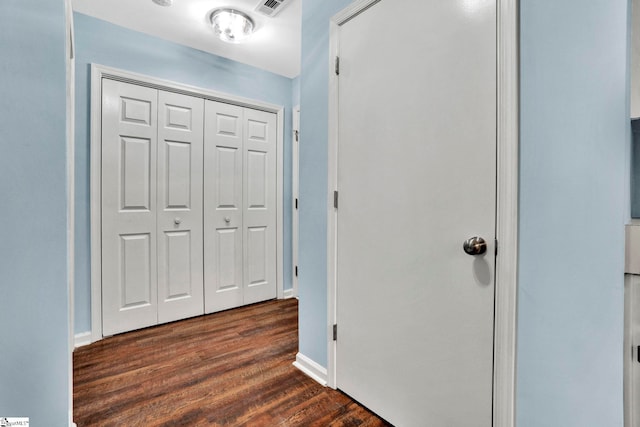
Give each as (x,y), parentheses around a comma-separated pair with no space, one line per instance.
(180,202)
(223,201)
(259,219)
(128,149)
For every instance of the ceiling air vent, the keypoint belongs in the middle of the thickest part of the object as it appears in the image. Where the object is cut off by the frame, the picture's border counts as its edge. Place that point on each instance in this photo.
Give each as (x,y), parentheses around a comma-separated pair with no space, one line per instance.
(270,7)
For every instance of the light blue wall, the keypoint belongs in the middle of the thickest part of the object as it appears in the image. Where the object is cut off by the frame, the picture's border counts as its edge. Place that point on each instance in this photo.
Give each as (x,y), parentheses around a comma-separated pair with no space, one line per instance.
(34,323)
(295,91)
(314,105)
(103,43)
(573,157)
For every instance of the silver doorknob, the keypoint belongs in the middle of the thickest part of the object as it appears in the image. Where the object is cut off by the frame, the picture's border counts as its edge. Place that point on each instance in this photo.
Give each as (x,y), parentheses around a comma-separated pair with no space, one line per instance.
(475,246)
(227,219)
(177,221)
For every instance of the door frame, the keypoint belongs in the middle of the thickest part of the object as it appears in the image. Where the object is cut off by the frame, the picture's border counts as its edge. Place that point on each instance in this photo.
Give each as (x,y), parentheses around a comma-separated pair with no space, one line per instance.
(507,117)
(70,63)
(295,197)
(98,72)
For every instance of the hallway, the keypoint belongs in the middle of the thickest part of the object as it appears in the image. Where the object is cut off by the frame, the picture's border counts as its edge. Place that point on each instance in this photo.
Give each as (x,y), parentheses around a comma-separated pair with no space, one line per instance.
(229,368)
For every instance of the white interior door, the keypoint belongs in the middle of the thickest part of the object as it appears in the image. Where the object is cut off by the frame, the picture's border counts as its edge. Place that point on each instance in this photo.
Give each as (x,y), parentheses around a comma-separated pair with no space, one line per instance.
(179,198)
(129,277)
(223,206)
(259,217)
(416,178)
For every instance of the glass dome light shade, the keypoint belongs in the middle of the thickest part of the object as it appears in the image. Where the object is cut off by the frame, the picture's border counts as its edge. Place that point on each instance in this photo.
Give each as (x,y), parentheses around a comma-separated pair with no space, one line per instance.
(231,25)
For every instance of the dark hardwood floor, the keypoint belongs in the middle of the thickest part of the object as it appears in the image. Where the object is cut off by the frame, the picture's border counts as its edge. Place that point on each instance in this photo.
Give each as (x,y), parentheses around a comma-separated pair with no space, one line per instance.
(232,368)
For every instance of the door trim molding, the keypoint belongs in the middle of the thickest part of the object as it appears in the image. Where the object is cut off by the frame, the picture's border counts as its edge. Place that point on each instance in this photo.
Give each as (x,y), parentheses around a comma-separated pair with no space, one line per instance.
(508,129)
(98,72)
(507,80)
(295,195)
(70,64)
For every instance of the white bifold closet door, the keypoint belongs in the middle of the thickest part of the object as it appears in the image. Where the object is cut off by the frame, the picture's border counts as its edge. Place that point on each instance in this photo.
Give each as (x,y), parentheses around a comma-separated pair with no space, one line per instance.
(239,206)
(152,144)
(180,145)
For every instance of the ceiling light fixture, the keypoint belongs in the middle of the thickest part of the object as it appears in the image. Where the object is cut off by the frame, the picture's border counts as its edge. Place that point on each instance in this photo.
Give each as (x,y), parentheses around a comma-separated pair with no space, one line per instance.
(163,2)
(231,25)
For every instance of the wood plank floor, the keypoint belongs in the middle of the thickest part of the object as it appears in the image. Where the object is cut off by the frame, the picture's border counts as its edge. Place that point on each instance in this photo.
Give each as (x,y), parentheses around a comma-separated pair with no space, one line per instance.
(225,369)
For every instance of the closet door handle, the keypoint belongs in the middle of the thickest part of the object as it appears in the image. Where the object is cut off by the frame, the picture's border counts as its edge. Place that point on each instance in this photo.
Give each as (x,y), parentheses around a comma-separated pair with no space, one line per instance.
(227,219)
(177,221)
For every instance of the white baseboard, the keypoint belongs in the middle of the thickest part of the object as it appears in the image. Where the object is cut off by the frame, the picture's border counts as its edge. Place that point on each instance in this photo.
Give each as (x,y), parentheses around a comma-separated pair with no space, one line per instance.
(71,423)
(311,368)
(288,293)
(81,339)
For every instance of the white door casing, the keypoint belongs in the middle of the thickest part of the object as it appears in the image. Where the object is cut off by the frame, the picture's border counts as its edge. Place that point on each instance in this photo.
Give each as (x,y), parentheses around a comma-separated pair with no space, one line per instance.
(70,63)
(223,206)
(129,141)
(179,200)
(631,329)
(295,197)
(416,175)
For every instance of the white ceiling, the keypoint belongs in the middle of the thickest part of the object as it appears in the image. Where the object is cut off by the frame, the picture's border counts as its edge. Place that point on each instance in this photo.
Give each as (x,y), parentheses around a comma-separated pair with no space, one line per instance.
(275,45)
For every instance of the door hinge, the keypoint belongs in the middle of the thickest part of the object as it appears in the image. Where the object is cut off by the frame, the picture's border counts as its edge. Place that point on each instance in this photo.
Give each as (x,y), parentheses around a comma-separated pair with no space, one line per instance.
(496,246)
(296,271)
(296,203)
(335,332)
(337,65)
(297,135)
(335,199)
